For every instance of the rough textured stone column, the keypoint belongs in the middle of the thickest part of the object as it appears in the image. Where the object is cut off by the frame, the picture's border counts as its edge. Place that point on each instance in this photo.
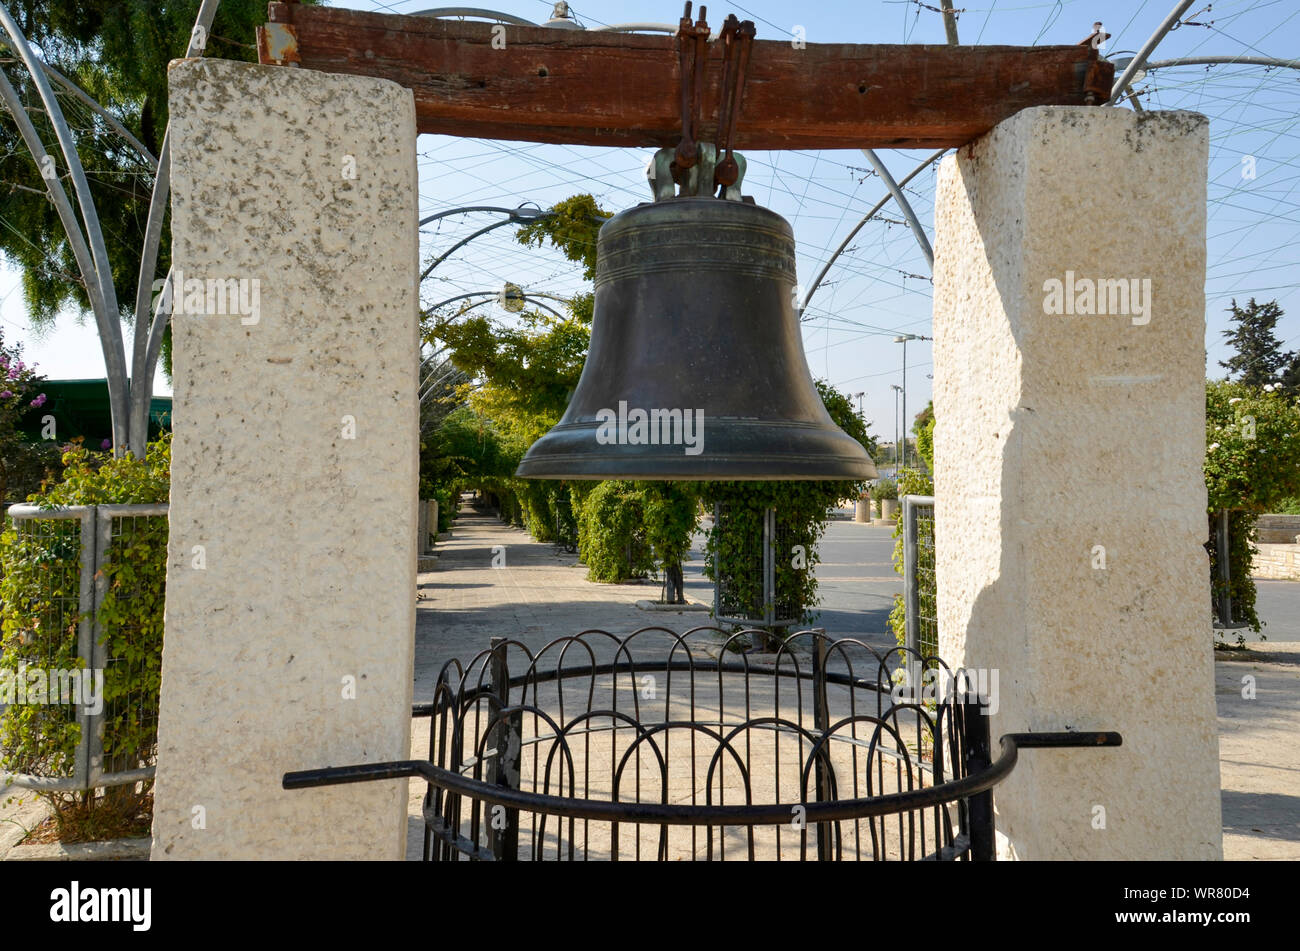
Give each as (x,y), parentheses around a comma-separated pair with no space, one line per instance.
(1068,451)
(291,575)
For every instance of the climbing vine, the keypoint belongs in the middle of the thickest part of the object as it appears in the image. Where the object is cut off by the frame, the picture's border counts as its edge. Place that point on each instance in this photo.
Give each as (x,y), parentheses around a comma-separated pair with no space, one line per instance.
(733,545)
(910,482)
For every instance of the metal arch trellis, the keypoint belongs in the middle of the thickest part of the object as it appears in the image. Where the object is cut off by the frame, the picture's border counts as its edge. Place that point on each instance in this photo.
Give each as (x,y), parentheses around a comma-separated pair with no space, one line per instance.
(1131,68)
(129,394)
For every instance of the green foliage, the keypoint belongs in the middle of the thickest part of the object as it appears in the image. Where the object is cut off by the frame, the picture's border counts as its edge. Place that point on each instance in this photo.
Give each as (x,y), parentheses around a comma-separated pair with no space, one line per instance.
(611,533)
(846,417)
(629,529)
(467,448)
(910,482)
(1240,585)
(118,51)
(546,508)
(803,509)
(924,430)
(670,510)
(464,451)
(39,620)
(526,369)
(1252,466)
(1252,458)
(572,228)
(884,489)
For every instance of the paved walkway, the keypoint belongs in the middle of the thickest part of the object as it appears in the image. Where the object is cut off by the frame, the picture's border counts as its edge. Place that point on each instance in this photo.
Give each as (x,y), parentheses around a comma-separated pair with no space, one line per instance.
(1259,751)
(493,580)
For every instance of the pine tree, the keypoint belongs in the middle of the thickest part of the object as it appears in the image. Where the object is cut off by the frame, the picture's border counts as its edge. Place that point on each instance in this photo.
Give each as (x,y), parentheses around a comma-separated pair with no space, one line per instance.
(1259,358)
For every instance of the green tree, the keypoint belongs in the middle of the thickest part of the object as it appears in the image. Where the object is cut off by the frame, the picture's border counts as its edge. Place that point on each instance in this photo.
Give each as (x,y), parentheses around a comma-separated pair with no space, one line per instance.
(115,54)
(117,51)
(1252,464)
(517,376)
(523,371)
(570,226)
(1259,359)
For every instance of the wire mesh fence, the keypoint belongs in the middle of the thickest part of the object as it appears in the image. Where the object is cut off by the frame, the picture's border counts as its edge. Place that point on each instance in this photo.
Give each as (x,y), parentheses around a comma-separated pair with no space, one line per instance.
(83,627)
(747,589)
(920,586)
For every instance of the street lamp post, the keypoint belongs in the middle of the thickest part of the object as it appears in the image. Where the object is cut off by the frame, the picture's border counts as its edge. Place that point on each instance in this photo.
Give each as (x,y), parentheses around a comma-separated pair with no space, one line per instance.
(903,338)
(897,389)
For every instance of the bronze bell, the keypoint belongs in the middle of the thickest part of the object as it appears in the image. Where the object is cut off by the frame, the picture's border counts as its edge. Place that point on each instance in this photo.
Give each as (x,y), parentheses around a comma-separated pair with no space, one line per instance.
(696,368)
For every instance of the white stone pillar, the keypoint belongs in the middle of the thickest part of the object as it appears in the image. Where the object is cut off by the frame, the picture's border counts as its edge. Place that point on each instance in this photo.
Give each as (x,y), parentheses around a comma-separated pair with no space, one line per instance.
(1068,449)
(291,574)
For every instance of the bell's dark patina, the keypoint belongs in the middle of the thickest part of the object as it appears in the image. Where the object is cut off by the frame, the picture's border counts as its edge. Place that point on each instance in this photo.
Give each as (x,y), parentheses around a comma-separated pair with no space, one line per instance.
(696,368)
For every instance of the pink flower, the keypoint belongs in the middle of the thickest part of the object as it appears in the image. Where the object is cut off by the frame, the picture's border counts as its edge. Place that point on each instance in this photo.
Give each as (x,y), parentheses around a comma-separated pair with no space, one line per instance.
(106,444)
(5,395)
(39,401)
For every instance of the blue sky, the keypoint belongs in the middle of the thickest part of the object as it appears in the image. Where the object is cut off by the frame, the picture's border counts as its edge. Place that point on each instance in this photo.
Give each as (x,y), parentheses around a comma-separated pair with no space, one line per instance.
(880,287)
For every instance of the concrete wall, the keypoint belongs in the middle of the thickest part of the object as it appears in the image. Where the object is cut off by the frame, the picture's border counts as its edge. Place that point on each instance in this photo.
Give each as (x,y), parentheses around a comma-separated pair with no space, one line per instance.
(291,576)
(1068,451)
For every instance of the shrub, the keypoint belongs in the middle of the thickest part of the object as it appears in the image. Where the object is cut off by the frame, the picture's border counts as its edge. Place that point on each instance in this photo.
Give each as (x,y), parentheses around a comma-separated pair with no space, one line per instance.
(803,510)
(911,482)
(611,533)
(670,510)
(884,489)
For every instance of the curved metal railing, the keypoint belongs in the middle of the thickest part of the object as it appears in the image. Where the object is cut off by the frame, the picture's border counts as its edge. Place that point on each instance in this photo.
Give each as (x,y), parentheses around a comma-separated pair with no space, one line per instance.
(607,747)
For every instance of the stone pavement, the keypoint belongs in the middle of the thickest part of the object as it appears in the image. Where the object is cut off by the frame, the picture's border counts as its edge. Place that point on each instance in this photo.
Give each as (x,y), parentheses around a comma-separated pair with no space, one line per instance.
(1259,751)
(493,580)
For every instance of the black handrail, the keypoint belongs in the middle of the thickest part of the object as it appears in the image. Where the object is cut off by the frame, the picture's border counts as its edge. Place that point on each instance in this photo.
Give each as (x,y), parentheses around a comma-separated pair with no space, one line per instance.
(670,814)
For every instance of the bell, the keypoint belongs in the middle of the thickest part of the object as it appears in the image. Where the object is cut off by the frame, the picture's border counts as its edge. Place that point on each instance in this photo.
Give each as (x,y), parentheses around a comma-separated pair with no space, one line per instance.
(696,369)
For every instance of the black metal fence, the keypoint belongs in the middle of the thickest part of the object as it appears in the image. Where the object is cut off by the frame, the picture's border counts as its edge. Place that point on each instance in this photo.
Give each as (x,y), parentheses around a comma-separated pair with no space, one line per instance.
(668,747)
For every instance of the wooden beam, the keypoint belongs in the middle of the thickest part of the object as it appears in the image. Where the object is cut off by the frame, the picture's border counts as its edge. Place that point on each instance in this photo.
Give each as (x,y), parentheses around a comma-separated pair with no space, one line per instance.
(593,88)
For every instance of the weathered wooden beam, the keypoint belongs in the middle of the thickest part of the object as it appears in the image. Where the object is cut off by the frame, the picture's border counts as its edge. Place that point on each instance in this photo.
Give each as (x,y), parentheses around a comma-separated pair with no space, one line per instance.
(592,88)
